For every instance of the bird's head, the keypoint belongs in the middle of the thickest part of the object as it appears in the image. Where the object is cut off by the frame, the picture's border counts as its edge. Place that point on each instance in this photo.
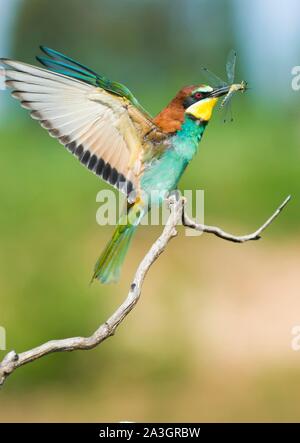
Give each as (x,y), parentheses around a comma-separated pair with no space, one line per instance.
(200,102)
(197,102)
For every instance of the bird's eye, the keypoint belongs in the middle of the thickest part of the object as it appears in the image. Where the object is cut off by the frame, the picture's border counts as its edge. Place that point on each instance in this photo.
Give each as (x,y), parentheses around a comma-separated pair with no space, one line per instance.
(198,95)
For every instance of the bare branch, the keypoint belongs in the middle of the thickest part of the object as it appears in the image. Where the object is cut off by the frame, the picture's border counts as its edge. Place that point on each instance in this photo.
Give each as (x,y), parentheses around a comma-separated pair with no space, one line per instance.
(230,237)
(13,360)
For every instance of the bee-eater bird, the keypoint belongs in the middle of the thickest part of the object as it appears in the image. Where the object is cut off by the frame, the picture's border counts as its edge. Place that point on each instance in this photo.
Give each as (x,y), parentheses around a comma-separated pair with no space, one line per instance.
(106,128)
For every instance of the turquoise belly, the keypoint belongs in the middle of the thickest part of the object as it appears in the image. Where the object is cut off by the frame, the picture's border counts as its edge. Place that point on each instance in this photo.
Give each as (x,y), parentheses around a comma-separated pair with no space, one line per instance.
(162,175)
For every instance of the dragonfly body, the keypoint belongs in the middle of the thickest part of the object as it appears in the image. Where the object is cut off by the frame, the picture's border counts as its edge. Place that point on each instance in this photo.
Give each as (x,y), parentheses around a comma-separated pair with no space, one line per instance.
(235,87)
(106,128)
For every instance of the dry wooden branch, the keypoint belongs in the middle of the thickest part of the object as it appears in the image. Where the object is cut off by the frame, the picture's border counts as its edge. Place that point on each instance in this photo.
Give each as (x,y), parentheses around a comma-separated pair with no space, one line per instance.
(231,237)
(13,360)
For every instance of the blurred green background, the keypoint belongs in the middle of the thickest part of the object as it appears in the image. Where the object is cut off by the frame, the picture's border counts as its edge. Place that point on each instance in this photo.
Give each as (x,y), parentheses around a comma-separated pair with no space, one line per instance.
(211,337)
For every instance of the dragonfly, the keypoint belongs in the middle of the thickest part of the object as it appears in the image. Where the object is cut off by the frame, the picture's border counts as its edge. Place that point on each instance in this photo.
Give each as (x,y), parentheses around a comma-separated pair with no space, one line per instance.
(233,87)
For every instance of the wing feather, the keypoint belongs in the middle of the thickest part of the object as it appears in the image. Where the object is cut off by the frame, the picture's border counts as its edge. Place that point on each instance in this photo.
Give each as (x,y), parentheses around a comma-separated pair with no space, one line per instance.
(103,130)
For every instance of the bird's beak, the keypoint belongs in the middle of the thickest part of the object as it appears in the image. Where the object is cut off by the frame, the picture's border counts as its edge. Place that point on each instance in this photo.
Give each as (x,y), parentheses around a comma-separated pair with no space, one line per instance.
(202,110)
(218,92)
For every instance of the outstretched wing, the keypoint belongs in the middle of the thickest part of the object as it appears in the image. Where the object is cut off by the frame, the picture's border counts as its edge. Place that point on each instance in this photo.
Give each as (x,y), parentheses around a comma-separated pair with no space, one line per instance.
(105,129)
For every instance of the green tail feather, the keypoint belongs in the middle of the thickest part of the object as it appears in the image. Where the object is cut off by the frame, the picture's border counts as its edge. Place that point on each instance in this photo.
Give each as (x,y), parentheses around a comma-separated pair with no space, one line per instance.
(108,266)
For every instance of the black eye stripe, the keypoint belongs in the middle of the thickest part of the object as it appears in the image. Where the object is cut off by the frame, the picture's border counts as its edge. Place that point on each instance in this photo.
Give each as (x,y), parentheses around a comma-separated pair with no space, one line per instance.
(189,101)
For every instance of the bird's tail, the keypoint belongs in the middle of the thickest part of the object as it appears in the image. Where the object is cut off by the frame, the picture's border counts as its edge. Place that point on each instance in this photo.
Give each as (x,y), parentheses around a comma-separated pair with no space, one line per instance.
(108,265)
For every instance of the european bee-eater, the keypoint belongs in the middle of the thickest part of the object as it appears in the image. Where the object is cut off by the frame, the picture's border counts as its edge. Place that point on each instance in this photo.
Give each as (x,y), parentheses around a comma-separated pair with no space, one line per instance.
(106,128)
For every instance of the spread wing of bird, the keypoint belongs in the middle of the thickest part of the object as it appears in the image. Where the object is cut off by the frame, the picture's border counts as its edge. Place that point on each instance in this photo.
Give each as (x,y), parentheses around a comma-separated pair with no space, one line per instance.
(99,121)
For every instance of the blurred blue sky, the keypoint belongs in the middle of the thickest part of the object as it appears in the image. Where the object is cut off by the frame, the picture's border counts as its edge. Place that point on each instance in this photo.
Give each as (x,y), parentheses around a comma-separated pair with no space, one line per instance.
(268,36)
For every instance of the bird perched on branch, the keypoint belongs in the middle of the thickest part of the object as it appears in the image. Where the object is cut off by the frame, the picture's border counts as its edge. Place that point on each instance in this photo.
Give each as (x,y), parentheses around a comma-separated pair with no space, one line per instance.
(106,128)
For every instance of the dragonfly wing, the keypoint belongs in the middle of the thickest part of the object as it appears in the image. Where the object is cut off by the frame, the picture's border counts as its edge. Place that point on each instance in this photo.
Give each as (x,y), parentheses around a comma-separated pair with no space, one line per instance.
(212,78)
(230,66)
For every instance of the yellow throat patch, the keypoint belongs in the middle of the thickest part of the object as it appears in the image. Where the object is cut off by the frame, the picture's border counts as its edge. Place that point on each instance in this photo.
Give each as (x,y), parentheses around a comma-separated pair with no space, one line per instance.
(202,109)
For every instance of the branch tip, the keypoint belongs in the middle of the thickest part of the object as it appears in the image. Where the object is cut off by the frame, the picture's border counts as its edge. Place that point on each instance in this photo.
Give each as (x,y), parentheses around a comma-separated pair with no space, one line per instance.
(231,237)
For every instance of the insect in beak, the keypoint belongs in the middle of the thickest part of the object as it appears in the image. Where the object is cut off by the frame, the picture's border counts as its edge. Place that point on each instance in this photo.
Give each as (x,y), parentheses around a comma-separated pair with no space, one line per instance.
(235,87)
(228,88)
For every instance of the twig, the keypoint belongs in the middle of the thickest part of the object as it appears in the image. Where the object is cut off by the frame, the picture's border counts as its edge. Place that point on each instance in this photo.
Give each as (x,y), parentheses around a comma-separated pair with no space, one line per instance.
(230,237)
(13,360)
